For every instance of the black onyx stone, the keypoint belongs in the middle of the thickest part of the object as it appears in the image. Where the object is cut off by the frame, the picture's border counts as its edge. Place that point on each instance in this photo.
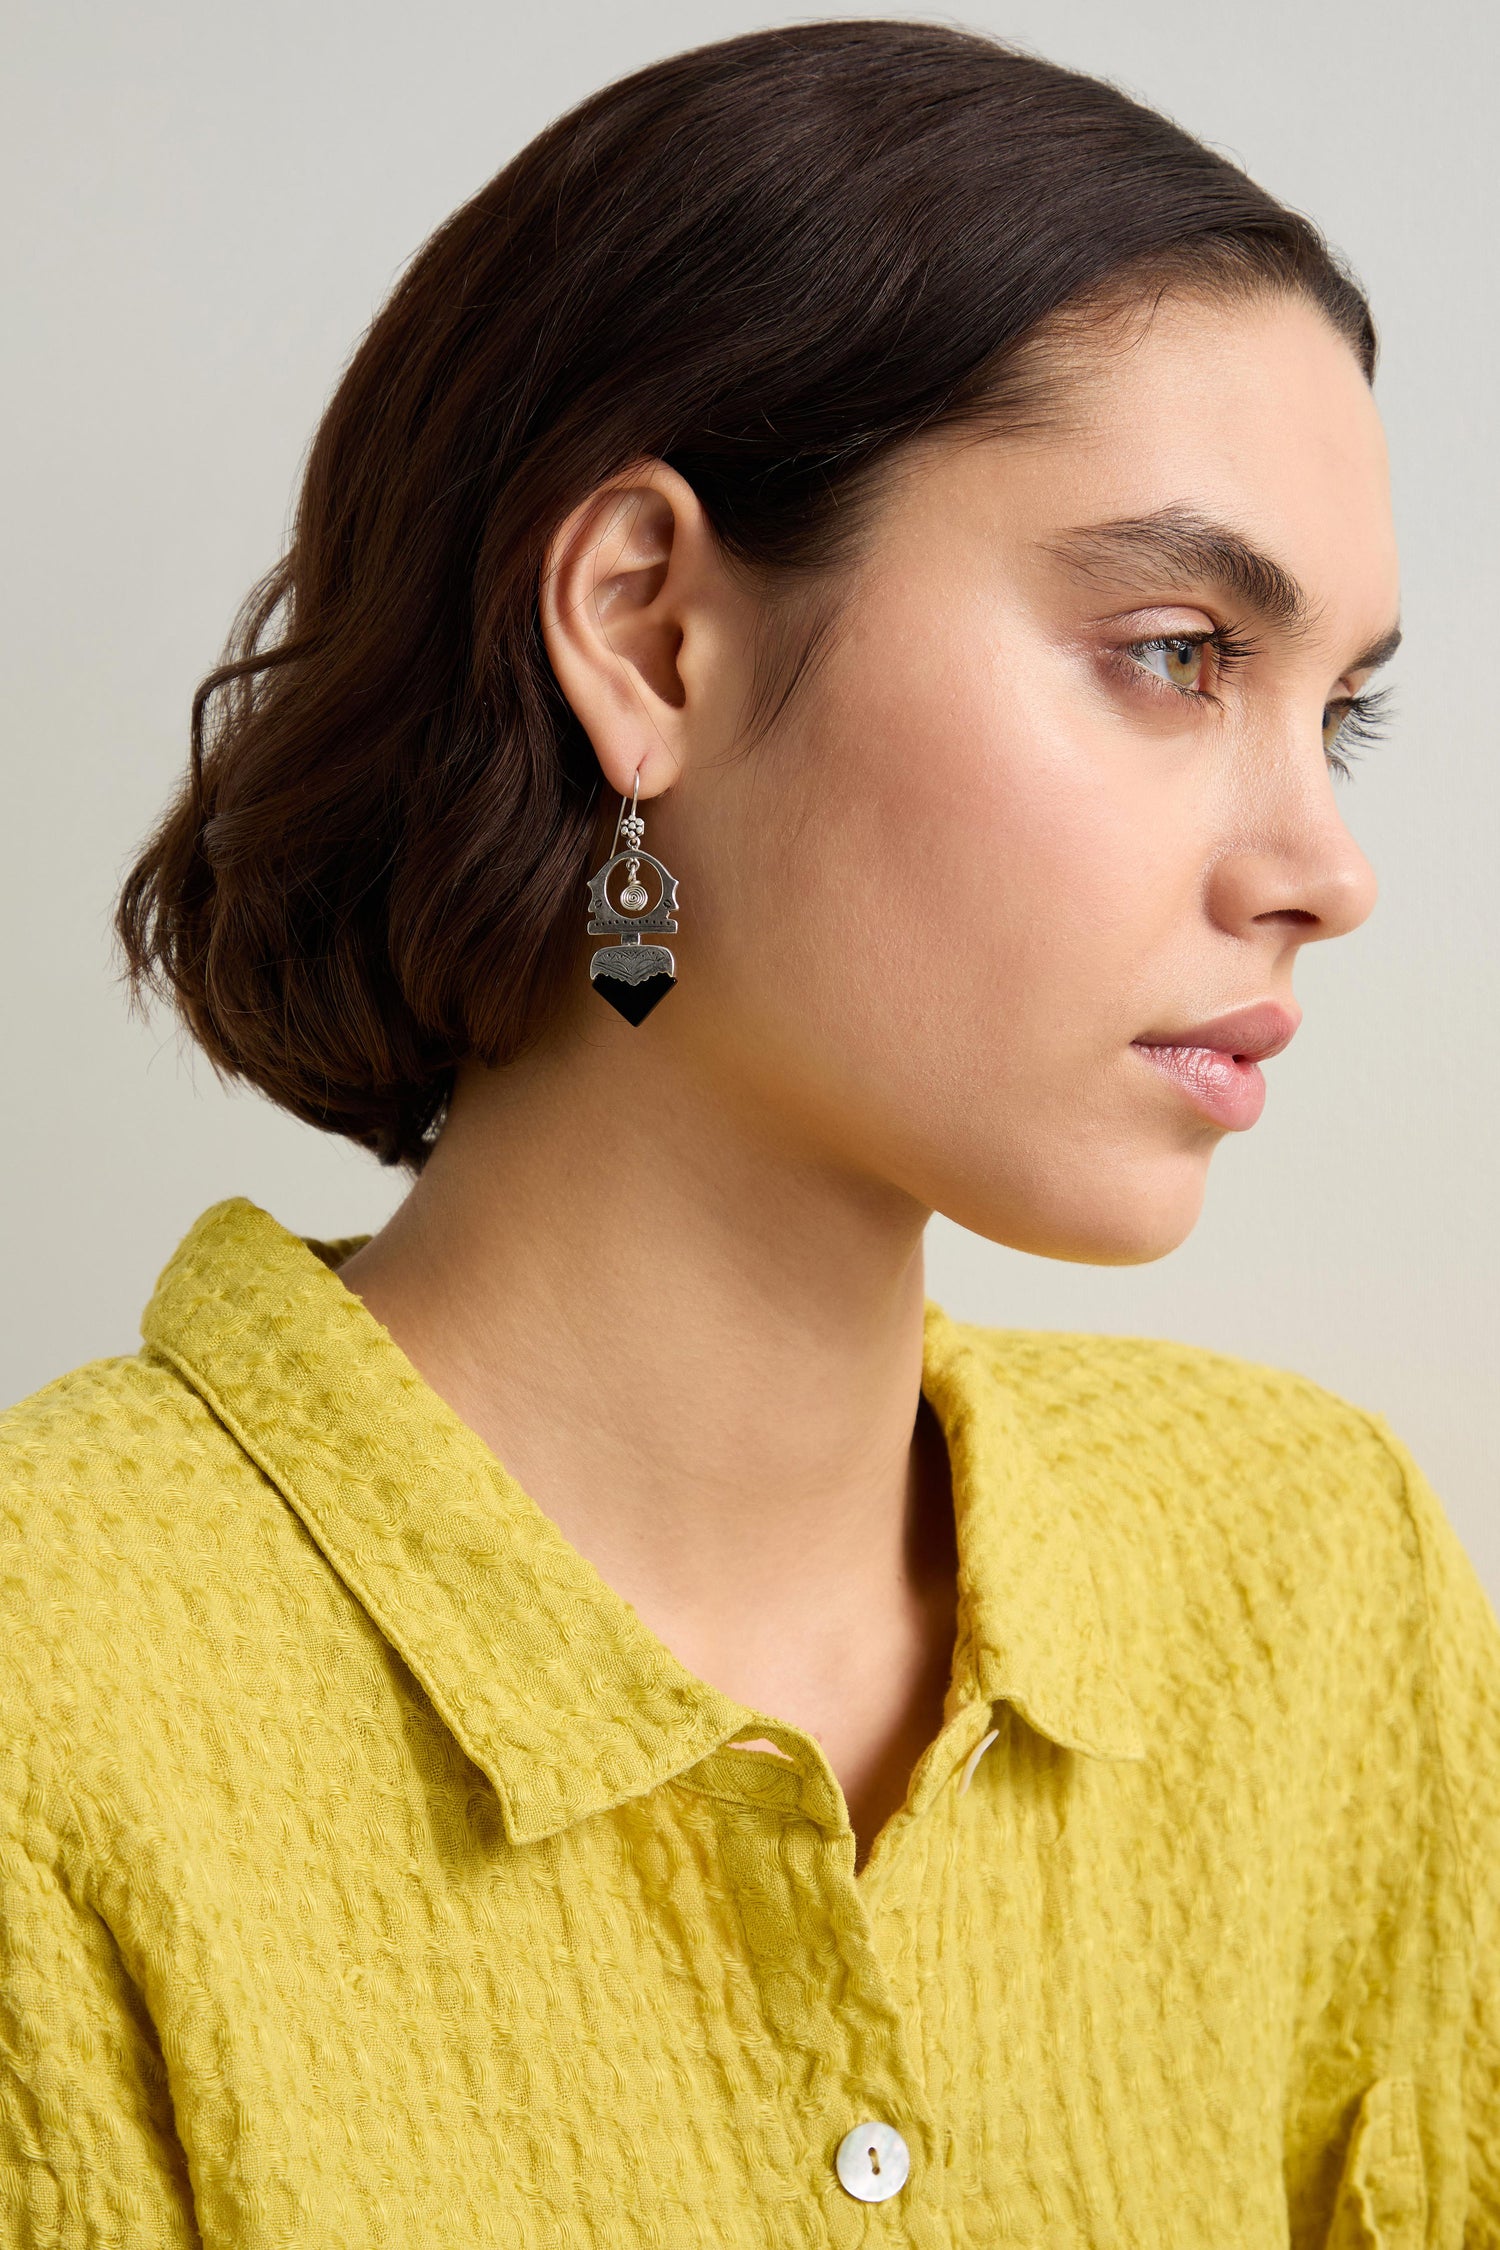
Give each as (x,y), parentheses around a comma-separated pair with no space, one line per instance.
(633,1001)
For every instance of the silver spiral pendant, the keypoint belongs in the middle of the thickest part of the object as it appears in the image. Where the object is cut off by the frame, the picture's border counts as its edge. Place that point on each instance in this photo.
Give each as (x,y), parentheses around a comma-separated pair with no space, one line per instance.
(631,976)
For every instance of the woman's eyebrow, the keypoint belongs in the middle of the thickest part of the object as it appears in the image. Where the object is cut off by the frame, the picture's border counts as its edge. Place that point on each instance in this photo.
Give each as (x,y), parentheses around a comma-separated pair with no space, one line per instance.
(1379,652)
(1189,546)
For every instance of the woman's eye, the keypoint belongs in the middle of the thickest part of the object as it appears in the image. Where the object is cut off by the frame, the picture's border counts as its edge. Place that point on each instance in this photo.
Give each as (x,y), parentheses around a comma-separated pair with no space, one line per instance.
(1179,662)
(1334,718)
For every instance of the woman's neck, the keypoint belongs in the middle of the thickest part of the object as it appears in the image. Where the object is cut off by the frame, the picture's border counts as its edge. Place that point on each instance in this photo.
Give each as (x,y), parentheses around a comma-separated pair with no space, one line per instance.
(696,1345)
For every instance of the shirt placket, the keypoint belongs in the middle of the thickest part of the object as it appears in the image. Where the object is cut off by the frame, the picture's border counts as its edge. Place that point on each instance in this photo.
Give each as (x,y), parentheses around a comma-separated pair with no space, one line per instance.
(873,2149)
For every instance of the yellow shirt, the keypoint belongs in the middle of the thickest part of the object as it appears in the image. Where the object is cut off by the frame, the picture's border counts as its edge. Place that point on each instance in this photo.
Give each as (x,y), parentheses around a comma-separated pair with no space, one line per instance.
(371,1875)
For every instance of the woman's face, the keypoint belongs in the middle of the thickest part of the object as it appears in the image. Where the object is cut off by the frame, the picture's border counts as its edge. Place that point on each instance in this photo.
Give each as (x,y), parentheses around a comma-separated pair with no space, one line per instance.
(1063,788)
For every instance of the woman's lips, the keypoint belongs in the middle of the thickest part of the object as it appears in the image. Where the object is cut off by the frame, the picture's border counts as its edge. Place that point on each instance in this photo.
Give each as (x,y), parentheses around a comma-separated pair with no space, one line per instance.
(1231,1092)
(1216,1065)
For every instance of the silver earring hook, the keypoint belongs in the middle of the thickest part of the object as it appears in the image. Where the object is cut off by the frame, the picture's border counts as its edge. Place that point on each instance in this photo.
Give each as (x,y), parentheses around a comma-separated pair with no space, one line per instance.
(620,816)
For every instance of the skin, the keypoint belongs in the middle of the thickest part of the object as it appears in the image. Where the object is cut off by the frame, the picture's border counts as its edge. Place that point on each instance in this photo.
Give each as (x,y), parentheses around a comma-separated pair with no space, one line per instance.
(673,1275)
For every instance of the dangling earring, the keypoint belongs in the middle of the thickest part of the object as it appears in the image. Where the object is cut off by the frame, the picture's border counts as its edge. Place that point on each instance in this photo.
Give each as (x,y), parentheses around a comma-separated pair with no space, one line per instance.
(632,977)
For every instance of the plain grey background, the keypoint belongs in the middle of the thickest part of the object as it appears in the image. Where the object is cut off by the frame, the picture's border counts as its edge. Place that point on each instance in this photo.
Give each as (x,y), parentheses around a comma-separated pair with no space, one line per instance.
(208,203)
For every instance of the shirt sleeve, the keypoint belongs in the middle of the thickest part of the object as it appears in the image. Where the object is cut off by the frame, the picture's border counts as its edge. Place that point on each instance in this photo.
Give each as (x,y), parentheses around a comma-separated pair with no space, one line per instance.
(1465,1656)
(89,2157)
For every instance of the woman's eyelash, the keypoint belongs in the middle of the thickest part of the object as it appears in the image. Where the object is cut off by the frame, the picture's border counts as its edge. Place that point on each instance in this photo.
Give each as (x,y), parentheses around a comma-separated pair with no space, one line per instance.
(1229,647)
(1365,720)
(1366,717)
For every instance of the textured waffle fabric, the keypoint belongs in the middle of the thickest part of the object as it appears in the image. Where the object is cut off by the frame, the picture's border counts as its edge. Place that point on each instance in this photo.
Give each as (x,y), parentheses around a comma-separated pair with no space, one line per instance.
(371,1875)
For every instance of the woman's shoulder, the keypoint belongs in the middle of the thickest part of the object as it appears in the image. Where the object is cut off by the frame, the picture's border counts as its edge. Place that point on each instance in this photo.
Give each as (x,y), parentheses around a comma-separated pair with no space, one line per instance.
(1254,1530)
(106,1430)
(1286,1482)
(119,1492)
(1205,1429)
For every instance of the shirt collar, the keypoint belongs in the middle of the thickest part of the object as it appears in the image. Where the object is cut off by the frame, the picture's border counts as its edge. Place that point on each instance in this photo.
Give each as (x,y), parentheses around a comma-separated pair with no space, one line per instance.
(549,1680)
(1032,1623)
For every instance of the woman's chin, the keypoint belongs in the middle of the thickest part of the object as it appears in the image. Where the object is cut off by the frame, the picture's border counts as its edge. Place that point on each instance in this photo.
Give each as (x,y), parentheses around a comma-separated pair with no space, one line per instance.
(1121,1213)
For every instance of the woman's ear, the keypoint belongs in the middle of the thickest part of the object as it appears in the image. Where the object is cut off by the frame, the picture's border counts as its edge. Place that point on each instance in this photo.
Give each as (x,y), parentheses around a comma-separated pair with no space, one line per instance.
(633,602)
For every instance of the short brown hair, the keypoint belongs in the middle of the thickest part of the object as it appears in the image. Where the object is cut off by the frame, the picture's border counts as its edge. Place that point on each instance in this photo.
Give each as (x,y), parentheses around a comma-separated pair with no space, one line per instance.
(767,262)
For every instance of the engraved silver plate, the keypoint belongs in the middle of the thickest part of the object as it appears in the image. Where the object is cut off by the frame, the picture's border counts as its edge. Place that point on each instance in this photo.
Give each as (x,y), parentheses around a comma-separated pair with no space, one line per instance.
(632,964)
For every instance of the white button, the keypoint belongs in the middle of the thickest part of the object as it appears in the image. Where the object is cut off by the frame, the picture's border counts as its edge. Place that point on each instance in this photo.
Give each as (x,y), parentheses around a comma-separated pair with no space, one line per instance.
(873,2162)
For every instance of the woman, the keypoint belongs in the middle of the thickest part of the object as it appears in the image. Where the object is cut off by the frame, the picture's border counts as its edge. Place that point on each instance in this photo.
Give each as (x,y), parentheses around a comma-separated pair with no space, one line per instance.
(598,1714)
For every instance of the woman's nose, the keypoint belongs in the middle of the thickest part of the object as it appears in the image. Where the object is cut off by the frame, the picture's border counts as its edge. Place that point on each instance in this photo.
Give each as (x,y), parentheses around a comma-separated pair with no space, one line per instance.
(1307,875)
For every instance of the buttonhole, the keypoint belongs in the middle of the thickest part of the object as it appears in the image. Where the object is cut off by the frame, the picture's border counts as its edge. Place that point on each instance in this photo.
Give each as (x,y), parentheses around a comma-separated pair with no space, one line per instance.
(761,1743)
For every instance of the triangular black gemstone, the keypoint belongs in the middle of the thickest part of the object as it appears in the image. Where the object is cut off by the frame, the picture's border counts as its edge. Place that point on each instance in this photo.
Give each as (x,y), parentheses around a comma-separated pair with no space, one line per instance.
(633,1001)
